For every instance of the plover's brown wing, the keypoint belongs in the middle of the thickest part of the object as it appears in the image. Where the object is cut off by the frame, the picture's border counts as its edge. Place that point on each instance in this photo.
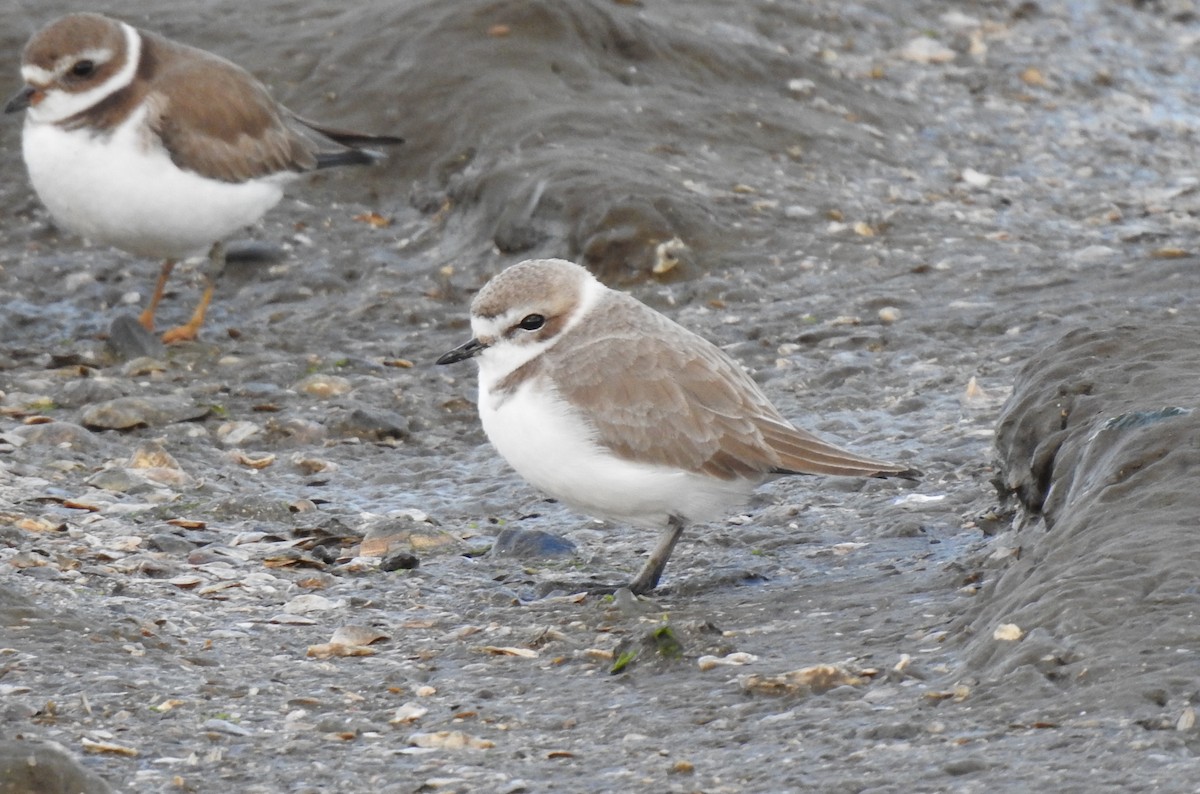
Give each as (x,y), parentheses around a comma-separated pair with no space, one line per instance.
(663,395)
(215,119)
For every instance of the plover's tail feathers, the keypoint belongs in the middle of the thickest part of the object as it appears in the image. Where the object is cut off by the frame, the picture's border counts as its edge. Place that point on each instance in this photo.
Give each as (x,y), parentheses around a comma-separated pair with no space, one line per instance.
(801,452)
(354,152)
(349,157)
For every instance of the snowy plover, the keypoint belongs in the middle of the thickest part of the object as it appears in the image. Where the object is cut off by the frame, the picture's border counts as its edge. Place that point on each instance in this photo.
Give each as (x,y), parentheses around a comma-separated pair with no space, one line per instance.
(607,405)
(159,148)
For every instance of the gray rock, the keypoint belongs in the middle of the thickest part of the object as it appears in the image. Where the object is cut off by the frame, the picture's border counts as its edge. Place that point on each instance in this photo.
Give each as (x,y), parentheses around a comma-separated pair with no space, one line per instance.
(171,543)
(43,767)
(374,424)
(55,434)
(127,340)
(125,413)
(530,544)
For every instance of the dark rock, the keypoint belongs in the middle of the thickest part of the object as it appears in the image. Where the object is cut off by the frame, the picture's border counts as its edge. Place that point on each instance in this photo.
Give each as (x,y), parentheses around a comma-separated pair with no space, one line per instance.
(57,434)
(125,413)
(43,767)
(89,391)
(530,544)
(170,543)
(127,340)
(400,561)
(374,424)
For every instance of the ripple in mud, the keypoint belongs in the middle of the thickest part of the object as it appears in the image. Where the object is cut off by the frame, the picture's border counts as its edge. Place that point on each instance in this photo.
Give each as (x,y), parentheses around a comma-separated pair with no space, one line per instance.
(1100,443)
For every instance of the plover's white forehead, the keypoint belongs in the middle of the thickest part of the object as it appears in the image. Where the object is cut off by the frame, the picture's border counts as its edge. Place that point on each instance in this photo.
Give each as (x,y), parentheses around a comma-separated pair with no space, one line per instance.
(551,286)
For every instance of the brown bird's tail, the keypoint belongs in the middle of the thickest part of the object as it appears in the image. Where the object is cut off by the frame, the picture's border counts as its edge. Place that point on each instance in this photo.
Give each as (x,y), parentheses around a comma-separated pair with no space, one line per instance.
(800,452)
(354,152)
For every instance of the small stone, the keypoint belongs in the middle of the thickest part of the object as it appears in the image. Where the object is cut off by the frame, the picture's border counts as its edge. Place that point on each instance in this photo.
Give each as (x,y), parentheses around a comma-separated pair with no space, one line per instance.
(234,434)
(323,386)
(170,543)
(926,50)
(408,713)
(373,424)
(227,727)
(974,178)
(797,212)
(88,391)
(57,434)
(310,602)
(450,740)
(125,413)
(526,544)
(965,766)
(400,561)
(801,86)
(119,481)
(1094,254)
(1008,632)
(128,339)
(152,455)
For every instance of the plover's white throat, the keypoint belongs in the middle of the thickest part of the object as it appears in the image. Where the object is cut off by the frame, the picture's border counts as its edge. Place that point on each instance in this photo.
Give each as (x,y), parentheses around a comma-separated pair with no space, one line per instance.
(609,406)
(159,148)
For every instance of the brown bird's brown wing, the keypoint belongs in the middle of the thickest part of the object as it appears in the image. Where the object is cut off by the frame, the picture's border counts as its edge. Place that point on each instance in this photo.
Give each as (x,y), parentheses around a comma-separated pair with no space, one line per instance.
(667,396)
(215,119)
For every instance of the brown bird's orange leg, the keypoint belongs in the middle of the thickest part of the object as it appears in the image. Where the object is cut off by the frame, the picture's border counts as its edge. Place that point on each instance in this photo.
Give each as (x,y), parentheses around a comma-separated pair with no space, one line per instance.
(191,329)
(147,316)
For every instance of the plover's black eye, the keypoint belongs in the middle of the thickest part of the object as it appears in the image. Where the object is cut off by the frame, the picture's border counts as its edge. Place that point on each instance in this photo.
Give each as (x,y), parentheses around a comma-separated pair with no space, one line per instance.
(532,322)
(83,68)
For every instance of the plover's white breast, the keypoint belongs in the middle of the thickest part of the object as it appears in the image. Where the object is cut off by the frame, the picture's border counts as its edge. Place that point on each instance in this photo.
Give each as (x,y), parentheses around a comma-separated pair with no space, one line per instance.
(124,190)
(550,443)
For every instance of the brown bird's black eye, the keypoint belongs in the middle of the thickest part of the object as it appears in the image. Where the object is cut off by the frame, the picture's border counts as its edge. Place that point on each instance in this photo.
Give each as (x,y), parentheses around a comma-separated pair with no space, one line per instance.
(83,68)
(532,322)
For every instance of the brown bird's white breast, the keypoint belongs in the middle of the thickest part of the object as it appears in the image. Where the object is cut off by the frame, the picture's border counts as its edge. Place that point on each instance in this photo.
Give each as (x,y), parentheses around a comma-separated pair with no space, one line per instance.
(116,183)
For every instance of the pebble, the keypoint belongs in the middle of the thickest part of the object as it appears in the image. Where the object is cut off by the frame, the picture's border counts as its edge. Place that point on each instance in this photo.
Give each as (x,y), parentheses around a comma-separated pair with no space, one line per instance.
(399,561)
(323,386)
(234,434)
(119,481)
(89,391)
(225,726)
(170,543)
(310,602)
(57,434)
(1094,254)
(374,424)
(124,413)
(975,178)
(926,50)
(796,212)
(528,544)
(45,767)
(127,340)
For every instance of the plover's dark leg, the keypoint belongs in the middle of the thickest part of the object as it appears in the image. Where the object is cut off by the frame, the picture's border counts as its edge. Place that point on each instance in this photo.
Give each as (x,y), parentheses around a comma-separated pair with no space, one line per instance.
(652,571)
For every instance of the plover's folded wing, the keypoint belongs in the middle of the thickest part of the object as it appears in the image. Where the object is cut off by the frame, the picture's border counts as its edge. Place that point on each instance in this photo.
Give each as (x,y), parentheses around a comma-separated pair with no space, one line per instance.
(677,400)
(216,120)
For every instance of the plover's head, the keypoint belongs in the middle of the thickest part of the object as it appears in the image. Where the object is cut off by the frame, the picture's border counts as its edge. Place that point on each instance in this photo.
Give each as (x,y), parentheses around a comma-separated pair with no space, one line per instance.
(524,310)
(73,63)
